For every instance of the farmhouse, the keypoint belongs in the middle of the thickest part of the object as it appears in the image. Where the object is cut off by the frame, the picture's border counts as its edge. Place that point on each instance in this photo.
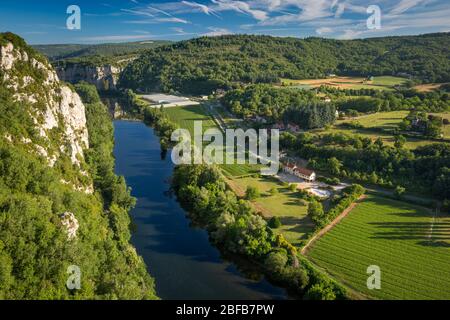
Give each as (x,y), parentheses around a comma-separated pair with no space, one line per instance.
(300,172)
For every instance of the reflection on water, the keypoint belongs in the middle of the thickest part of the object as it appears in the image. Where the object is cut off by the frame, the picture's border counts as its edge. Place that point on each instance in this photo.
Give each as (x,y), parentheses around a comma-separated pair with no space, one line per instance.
(179,256)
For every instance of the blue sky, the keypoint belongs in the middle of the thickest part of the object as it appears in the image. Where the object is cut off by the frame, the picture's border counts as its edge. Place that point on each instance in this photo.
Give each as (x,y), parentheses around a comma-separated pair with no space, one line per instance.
(102,21)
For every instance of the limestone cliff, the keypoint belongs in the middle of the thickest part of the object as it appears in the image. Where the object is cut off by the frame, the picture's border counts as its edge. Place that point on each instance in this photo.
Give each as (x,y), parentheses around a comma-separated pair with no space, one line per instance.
(104,77)
(56,110)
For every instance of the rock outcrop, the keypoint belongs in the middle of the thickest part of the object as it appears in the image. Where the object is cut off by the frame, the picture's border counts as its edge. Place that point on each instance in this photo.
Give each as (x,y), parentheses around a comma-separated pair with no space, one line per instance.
(104,77)
(56,110)
(70,223)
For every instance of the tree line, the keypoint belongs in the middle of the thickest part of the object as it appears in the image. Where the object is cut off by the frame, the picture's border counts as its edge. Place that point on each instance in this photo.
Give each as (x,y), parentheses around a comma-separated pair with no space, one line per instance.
(237,228)
(202,65)
(280,104)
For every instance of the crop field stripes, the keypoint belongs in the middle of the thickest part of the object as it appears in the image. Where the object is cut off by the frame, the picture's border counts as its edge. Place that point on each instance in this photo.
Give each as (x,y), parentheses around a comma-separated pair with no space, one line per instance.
(410,244)
(433,220)
(331,225)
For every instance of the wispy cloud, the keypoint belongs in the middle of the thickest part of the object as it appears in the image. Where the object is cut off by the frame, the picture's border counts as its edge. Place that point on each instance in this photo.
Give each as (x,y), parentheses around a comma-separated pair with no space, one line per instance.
(323,30)
(201,7)
(158,15)
(138,12)
(215,31)
(128,37)
(241,7)
(405,5)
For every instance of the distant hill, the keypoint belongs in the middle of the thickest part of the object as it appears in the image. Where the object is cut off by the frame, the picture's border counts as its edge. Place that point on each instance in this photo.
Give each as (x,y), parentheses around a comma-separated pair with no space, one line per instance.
(204,64)
(65,51)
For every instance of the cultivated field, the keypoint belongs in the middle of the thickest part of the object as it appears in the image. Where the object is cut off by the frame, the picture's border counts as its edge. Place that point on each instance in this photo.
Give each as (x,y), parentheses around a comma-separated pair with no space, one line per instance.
(446,128)
(379,83)
(411,247)
(428,87)
(184,117)
(386,121)
(285,205)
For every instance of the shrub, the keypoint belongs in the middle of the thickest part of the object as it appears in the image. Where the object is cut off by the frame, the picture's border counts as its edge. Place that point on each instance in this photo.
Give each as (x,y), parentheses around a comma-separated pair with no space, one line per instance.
(252,193)
(275,222)
(399,191)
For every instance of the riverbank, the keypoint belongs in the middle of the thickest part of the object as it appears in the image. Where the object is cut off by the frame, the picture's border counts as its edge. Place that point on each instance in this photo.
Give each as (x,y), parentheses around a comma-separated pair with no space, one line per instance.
(179,254)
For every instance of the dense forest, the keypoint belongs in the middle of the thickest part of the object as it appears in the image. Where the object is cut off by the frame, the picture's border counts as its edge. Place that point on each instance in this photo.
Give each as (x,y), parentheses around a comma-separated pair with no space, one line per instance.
(300,107)
(202,65)
(66,51)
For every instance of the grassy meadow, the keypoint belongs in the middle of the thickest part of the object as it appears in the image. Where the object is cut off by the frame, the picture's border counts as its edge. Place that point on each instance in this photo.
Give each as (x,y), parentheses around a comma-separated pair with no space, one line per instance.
(386,121)
(283,204)
(184,117)
(378,83)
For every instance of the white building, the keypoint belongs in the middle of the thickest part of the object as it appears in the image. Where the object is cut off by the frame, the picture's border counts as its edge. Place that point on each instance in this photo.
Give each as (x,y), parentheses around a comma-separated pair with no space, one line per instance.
(300,172)
(168,100)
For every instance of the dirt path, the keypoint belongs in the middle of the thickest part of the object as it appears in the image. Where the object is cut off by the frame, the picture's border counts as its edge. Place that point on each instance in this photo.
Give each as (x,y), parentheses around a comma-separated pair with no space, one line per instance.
(331,225)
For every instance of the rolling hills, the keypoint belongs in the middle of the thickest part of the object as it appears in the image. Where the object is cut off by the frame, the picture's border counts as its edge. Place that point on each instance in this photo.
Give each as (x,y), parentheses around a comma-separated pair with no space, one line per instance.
(205,64)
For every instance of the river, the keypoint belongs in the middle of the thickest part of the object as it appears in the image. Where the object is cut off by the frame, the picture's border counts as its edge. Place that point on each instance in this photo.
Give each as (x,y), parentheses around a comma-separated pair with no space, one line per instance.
(184,264)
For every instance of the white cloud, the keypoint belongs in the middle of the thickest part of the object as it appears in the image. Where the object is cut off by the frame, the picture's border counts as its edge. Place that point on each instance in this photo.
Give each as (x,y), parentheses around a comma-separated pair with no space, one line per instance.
(178,30)
(115,38)
(405,5)
(159,15)
(214,32)
(239,6)
(173,20)
(137,12)
(323,30)
(205,9)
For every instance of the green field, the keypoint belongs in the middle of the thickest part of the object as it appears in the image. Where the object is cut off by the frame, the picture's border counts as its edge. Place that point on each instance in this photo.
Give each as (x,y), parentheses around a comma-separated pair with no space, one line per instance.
(285,205)
(184,117)
(395,236)
(378,83)
(386,121)
(387,81)
(446,128)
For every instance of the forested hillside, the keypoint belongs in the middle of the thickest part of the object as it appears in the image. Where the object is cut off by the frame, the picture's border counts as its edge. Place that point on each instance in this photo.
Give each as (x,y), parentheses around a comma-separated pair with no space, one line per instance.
(61,205)
(204,64)
(65,51)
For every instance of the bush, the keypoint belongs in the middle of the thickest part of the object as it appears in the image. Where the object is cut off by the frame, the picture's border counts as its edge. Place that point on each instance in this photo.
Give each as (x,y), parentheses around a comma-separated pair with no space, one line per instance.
(349,195)
(399,191)
(252,193)
(275,222)
(320,292)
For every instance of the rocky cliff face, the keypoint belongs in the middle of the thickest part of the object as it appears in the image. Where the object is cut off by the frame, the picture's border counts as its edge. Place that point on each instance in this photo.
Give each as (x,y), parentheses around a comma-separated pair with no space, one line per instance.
(56,110)
(103,77)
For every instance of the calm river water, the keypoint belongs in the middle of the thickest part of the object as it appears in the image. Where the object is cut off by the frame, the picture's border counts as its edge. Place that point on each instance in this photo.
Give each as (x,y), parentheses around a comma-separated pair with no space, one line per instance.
(179,256)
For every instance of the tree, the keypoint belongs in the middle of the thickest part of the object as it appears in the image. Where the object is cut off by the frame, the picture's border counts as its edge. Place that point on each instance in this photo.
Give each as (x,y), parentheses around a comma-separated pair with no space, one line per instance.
(252,193)
(315,211)
(276,261)
(320,292)
(399,141)
(273,191)
(275,222)
(399,191)
(334,165)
